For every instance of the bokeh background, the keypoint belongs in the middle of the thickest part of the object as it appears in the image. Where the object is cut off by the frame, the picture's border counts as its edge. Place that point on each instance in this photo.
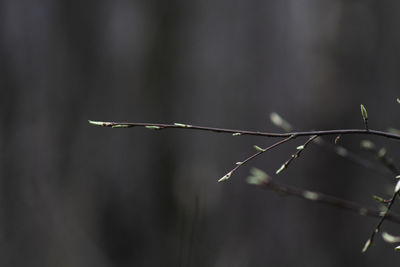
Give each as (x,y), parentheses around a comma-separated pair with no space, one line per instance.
(73,194)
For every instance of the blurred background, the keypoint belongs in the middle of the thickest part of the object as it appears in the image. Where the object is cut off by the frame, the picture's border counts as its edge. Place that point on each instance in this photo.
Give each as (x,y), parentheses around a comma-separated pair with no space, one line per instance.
(73,194)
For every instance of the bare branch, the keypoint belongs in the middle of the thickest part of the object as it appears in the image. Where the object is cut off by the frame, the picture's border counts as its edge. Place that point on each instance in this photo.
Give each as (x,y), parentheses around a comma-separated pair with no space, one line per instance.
(267,183)
(385,216)
(329,200)
(280,122)
(260,151)
(160,126)
(298,153)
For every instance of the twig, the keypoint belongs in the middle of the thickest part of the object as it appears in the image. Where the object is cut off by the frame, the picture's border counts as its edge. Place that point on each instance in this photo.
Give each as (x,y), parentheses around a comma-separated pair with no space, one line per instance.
(260,151)
(329,200)
(345,153)
(388,163)
(381,155)
(280,122)
(267,183)
(160,126)
(298,153)
(385,216)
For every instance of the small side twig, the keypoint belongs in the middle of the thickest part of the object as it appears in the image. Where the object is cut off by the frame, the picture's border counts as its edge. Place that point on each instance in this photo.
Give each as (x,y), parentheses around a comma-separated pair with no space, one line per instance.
(381,154)
(297,154)
(260,151)
(266,182)
(384,217)
(280,122)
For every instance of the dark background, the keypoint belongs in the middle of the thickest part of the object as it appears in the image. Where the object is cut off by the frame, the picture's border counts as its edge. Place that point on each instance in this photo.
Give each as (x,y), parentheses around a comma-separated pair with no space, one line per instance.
(77,195)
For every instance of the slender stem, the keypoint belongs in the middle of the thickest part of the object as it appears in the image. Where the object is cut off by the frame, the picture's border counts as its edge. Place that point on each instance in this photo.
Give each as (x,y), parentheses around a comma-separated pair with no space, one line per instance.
(293,191)
(385,160)
(329,200)
(347,154)
(385,216)
(239,164)
(160,126)
(343,152)
(297,154)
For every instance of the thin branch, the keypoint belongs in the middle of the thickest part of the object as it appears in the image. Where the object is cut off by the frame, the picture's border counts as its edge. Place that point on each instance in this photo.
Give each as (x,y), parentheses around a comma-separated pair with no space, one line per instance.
(263,180)
(329,200)
(280,122)
(267,183)
(298,153)
(347,154)
(385,216)
(388,163)
(261,151)
(381,155)
(160,126)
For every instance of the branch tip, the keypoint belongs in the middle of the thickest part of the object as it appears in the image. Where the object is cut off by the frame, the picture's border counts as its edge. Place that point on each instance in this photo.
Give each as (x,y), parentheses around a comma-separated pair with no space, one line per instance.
(397,187)
(281,169)
(225,177)
(97,123)
(366,246)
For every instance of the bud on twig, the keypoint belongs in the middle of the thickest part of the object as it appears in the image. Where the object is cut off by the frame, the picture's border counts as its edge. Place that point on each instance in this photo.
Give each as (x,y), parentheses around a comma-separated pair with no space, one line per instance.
(337,139)
(259,149)
(280,122)
(366,246)
(281,169)
(390,238)
(257,177)
(365,116)
(153,127)
(180,125)
(397,187)
(380,199)
(225,177)
(367,145)
(100,123)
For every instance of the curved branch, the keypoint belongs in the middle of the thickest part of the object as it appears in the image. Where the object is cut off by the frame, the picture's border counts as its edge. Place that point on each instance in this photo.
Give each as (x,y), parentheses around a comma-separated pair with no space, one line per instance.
(293,191)
(329,200)
(160,126)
